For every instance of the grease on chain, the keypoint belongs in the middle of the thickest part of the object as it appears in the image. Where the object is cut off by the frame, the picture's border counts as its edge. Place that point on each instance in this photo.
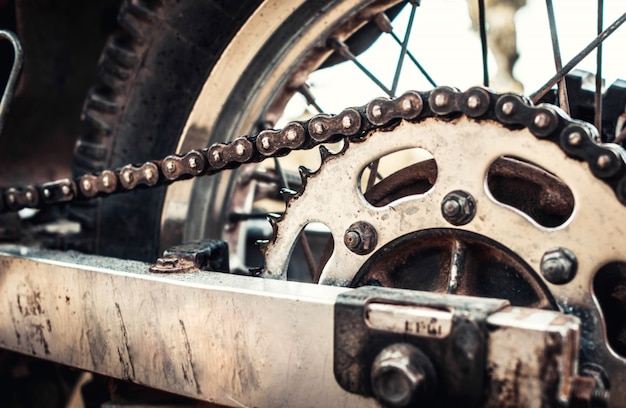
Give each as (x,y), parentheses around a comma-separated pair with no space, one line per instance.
(577,139)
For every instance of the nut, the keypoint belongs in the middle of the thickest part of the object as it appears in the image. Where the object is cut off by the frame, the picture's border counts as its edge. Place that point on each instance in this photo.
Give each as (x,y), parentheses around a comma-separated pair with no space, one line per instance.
(458,207)
(360,238)
(402,375)
(559,265)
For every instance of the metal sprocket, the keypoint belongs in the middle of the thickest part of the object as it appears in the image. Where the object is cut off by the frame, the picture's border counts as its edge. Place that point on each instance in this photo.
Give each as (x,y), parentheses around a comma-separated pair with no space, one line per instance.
(464,150)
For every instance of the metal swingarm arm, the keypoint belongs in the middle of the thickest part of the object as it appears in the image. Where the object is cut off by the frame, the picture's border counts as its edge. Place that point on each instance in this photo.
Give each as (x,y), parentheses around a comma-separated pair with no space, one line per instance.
(245,341)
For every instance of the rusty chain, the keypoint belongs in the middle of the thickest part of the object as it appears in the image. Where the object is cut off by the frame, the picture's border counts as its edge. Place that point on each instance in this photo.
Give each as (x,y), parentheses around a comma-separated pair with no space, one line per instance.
(577,139)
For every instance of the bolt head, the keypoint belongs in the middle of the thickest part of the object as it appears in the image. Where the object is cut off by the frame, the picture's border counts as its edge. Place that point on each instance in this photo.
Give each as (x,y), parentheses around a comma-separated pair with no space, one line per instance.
(458,207)
(559,265)
(360,238)
(352,239)
(401,375)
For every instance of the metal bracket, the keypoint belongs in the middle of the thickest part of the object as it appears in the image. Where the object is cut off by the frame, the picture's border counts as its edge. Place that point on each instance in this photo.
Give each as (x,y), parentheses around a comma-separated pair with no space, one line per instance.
(449,330)
(407,347)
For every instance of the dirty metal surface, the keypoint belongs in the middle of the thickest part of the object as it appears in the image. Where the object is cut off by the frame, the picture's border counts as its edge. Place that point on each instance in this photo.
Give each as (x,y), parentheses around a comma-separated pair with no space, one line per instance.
(221,338)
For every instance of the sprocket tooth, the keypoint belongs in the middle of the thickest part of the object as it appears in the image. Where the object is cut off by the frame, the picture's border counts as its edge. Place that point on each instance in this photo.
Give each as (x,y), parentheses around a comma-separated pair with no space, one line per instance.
(287,193)
(305,174)
(324,153)
(273,219)
(256,271)
(262,244)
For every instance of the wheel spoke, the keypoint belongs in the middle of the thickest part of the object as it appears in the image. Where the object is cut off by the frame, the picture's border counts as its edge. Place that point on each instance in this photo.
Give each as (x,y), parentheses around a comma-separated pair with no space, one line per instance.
(383,23)
(403,51)
(458,258)
(305,90)
(598,94)
(556,50)
(535,97)
(343,50)
(483,40)
(373,174)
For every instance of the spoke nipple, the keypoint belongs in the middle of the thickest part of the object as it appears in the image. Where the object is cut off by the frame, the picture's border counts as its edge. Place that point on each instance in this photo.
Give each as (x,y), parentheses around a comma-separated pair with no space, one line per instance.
(291,135)
(575,138)
(406,105)
(603,161)
(441,100)
(265,142)
(377,111)
(542,120)
(346,122)
(508,108)
(86,185)
(193,162)
(473,102)
(170,166)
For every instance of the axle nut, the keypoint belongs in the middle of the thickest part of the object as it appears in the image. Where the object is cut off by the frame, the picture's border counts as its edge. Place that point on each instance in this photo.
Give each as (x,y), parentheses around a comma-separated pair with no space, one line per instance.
(402,375)
(559,265)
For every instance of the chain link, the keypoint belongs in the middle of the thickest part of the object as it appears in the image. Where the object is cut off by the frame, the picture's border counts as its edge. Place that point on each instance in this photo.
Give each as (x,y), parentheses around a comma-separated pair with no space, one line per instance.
(578,140)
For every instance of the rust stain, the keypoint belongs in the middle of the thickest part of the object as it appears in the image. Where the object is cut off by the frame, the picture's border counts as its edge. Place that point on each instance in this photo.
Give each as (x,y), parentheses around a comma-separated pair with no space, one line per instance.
(189,359)
(127,363)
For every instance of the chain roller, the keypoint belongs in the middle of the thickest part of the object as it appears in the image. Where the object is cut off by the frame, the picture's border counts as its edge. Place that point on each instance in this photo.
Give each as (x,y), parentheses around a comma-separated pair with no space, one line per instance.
(577,139)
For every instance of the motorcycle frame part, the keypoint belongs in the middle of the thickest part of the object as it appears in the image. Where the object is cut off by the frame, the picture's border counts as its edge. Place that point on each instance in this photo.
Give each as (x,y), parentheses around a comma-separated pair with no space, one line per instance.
(9,88)
(247,344)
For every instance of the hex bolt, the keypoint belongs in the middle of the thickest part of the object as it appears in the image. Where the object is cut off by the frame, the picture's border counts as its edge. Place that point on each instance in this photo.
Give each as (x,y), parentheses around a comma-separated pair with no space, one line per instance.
(401,376)
(458,207)
(360,238)
(559,265)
